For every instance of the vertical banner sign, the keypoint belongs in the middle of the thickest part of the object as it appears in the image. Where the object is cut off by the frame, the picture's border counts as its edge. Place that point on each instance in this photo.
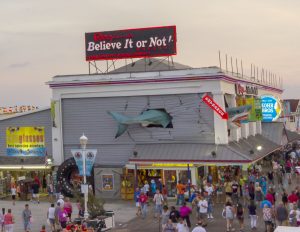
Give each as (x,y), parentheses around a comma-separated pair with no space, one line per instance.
(213,105)
(25,141)
(131,43)
(90,155)
(256,112)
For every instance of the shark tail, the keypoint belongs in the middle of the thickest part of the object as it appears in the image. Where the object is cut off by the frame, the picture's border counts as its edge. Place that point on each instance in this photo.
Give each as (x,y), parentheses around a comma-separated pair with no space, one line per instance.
(122,127)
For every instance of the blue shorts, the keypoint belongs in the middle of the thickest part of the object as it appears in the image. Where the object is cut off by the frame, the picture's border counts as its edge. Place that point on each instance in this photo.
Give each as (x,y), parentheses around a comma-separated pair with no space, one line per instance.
(27,225)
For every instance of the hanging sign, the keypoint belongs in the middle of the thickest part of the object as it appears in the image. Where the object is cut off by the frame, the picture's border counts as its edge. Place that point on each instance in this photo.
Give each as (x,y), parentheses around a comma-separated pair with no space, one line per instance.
(212,104)
(90,155)
(131,43)
(242,89)
(25,141)
(271,108)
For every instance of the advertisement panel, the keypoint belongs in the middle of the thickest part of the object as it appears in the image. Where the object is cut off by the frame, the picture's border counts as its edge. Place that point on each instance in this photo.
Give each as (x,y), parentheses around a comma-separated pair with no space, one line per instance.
(271,108)
(107,182)
(25,141)
(256,110)
(131,43)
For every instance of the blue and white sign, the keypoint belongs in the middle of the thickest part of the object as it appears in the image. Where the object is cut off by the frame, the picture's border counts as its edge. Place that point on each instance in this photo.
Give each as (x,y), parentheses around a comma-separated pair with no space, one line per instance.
(90,155)
(271,108)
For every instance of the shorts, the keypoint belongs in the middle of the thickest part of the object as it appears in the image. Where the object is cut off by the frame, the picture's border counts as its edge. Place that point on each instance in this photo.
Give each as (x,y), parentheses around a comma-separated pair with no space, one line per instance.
(202,215)
(13,197)
(52,221)
(158,208)
(137,204)
(27,226)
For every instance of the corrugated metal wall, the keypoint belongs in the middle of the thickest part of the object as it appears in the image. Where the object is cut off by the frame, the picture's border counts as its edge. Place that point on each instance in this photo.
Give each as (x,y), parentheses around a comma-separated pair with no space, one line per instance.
(192,122)
(40,118)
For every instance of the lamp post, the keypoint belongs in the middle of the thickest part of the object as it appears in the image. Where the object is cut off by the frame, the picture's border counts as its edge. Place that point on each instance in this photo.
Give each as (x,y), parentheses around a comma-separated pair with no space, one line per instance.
(83,141)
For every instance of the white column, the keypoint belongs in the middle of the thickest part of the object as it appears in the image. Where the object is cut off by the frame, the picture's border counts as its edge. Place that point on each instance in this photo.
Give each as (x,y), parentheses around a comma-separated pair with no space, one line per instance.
(57,138)
(252,128)
(193,176)
(234,133)
(258,127)
(221,134)
(245,130)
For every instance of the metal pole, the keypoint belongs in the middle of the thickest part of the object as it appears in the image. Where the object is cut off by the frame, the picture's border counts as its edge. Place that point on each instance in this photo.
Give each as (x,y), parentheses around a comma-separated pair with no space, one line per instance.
(135,177)
(86,213)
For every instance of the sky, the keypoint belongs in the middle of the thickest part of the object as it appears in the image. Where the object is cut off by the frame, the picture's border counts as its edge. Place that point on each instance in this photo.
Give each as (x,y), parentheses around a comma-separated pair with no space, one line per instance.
(40,39)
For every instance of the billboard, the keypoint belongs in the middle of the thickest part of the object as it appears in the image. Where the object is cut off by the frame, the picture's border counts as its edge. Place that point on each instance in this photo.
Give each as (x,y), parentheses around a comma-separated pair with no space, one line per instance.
(256,110)
(25,141)
(131,43)
(271,108)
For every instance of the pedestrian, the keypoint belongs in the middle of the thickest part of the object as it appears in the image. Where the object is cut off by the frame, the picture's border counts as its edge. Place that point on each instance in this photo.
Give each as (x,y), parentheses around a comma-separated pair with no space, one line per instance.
(1,221)
(180,193)
(203,205)
(62,217)
(174,215)
(185,212)
(51,216)
(270,197)
(228,190)
(258,193)
(61,201)
(165,216)
(13,194)
(80,209)
(143,202)
(271,177)
(209,207)
(137,194)
(251,190)
(293,217)
(228,213)
(235,193)
(26,215)
(165,194)
(253,216)
(159,185)
(199,227)
(267,217)
(146,188)
(9,221)
(56,215)
(35,192)
(292,199)
(158,200)
(153,187)
(182,226)
(240,216)
(68,208)
(263,185)
(43,229)
(19,191)
(284,197)
(169,227)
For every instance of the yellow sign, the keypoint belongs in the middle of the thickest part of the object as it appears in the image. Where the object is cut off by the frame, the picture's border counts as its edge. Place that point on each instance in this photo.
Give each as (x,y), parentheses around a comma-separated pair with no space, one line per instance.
(25,141)
(170,165)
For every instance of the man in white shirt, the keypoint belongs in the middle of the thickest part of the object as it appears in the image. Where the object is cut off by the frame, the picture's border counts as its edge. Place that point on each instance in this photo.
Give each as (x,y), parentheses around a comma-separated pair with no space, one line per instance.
(61,201)
(209,189)
(199,227)
(203,205)
(51,216)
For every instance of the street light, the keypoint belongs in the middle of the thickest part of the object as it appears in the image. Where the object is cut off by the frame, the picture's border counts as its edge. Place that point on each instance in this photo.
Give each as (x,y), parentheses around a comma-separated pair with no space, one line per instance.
(83,142)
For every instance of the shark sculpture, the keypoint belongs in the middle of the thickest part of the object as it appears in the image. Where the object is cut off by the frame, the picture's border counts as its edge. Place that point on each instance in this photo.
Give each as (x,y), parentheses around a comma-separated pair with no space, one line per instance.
(237,115)
(148,117)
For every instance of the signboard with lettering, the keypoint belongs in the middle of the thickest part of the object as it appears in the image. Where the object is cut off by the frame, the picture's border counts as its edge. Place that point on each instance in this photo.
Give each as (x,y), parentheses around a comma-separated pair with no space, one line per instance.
(25,141)
(131,43)
(242,89)
(271,108)
(256,111)
(213,105)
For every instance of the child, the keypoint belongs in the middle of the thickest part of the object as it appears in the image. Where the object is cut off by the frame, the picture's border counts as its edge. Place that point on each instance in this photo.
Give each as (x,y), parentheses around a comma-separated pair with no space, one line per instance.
(181,225)
(43,228)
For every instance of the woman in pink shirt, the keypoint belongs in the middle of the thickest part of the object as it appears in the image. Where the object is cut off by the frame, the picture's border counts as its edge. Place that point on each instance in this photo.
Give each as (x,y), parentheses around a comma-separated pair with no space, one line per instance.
(68,207)
(185,212)
(9,221)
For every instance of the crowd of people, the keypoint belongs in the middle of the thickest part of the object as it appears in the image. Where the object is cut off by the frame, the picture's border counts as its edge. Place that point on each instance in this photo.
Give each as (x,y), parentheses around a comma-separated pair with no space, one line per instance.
(269,192)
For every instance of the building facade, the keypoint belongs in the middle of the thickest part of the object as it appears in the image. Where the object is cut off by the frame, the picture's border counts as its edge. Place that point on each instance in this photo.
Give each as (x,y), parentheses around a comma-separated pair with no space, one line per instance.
(195,136)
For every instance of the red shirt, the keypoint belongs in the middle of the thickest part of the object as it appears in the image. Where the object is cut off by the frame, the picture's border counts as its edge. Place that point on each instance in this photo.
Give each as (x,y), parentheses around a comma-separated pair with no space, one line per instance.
(143,198)
(292,198)
(270,198)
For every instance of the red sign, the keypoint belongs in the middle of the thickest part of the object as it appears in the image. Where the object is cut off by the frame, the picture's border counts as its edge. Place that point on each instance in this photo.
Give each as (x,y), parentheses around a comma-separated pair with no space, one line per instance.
(212,104)
(131,43)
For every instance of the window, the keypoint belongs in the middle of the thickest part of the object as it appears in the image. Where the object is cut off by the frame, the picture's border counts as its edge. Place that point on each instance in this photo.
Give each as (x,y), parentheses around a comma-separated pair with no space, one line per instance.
(292,118)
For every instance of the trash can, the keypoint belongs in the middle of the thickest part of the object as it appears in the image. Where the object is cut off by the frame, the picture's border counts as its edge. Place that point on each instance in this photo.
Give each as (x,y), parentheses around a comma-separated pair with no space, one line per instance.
(110,220)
